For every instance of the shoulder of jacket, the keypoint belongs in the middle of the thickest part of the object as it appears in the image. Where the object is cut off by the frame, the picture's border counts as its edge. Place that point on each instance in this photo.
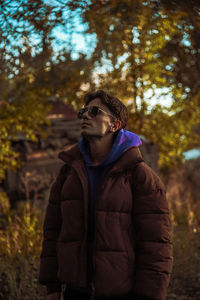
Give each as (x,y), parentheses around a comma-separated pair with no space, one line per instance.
(62,174)
(71,154)
(65,168)
(145,176)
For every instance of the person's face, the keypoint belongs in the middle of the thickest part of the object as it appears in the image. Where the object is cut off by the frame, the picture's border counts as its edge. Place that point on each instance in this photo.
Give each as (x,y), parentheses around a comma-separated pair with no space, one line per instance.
(97,126)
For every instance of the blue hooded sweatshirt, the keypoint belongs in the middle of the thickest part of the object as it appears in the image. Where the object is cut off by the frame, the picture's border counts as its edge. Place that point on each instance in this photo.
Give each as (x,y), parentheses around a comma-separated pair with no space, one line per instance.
(123,141)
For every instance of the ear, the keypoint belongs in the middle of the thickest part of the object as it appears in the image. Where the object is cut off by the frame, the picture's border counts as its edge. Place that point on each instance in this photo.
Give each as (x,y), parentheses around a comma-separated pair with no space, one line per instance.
(116,126)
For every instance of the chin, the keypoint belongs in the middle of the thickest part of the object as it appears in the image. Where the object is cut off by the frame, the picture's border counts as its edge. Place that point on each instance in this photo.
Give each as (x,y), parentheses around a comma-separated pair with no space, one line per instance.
(90,136)
(85,134)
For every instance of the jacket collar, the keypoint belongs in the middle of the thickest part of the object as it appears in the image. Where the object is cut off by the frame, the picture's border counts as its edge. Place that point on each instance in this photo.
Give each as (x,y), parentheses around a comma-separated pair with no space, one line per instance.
(127,161)
(70,155)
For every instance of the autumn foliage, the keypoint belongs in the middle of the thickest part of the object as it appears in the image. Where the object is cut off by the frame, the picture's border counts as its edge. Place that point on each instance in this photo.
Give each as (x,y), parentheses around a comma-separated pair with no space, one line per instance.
(138,50)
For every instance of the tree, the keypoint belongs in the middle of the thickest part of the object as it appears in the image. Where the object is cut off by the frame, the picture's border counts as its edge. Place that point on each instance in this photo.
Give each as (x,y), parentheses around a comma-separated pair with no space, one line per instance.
(147,44)
(32,71)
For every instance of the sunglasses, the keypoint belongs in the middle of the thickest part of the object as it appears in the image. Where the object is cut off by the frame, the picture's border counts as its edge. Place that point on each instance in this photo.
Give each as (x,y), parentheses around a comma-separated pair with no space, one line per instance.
(93,111)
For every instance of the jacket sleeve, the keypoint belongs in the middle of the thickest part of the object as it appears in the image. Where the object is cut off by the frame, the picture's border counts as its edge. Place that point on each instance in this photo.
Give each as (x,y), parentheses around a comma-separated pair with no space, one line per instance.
(152,226)
(51,228)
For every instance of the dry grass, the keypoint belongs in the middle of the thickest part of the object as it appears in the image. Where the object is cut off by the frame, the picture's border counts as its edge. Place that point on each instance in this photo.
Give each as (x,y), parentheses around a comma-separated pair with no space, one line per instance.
(185,280)
(20,247)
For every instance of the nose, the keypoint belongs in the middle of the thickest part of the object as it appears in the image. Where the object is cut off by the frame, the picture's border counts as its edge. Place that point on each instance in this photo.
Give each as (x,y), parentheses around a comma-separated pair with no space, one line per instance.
(85,115)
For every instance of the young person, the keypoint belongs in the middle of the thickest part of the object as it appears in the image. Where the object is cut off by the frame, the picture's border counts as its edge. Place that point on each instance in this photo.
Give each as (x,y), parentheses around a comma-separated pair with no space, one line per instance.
(107,230)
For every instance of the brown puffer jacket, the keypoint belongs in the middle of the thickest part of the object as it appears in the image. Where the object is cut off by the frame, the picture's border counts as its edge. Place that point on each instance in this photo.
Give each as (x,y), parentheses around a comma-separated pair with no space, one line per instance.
(133,249)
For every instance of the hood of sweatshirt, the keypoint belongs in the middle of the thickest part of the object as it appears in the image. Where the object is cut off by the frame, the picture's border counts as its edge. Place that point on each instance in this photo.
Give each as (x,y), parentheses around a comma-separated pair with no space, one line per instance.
(123,141)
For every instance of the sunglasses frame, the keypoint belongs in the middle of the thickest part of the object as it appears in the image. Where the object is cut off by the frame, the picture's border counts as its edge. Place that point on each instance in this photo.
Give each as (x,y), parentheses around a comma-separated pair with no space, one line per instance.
(88,109)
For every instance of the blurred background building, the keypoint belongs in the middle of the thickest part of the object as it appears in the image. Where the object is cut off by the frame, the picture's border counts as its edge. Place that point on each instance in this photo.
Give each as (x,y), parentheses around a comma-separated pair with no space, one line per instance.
(40,159)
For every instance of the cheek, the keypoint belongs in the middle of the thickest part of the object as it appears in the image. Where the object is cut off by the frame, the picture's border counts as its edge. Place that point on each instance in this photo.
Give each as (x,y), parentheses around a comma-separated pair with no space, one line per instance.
(105,126)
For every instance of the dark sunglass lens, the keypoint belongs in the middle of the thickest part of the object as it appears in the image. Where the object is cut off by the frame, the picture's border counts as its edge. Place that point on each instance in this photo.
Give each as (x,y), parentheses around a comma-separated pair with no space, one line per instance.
(81,112)
(93,111)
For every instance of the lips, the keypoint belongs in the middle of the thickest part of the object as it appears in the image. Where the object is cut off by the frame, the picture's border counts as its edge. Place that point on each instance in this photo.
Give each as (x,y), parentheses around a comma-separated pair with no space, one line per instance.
(85,124)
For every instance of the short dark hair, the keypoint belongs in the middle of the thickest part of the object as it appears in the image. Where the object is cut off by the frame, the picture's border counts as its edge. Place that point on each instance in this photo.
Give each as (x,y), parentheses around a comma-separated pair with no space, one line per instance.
(117,108)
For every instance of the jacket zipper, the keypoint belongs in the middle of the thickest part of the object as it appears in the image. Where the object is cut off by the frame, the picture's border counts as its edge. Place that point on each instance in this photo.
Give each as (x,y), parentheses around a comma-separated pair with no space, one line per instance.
(81,175)
(93,291)
(94,244)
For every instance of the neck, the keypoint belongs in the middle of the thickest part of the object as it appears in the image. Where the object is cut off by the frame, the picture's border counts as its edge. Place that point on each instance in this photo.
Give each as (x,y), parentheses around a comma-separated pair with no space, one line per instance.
(100,147)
